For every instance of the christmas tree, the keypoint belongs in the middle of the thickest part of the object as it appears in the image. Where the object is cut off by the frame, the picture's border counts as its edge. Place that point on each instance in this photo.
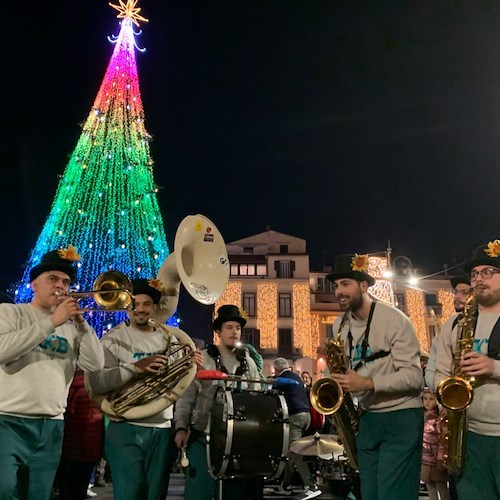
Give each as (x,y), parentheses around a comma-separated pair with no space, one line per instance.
(106,204)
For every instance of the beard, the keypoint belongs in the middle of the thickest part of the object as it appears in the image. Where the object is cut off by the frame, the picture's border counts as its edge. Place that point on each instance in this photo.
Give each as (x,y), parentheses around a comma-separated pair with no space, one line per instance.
(140,321)
(353,303)
(487,297)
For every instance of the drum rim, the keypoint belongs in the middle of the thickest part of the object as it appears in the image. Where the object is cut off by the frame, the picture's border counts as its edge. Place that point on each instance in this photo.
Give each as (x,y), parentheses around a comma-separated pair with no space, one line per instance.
(230,434)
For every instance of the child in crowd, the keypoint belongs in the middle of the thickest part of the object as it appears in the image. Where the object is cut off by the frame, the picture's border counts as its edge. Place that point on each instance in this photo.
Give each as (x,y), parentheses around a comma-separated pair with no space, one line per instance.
(433,472)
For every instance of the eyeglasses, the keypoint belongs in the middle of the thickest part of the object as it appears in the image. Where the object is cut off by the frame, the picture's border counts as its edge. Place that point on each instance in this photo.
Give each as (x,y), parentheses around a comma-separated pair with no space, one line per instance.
(485,273)
(463,293)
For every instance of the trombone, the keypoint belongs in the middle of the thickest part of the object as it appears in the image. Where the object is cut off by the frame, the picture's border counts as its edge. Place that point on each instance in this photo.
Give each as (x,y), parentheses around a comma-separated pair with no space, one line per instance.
(112,291)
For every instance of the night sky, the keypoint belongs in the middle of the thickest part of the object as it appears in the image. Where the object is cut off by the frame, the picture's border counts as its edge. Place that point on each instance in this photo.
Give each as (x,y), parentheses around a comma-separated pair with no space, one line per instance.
(345,123)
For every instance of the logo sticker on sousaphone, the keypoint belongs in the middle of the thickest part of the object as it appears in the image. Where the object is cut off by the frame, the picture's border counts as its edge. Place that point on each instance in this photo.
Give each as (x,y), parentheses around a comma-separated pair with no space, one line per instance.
(208,235)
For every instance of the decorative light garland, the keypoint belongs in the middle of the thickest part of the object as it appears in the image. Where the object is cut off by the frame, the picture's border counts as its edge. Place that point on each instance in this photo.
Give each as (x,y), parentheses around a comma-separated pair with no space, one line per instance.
(445,298)
(301,304)
(267,319)
(382,289)
(416,312)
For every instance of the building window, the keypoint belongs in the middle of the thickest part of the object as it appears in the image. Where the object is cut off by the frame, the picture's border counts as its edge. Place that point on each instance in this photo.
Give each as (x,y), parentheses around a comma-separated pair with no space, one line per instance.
(251,336)
(284,268)
(283,248)
(261,270)
(324,285)
(285,341)
(400,301)
(285,305)
(431,299)
(249,303)
(247,269)
(247,249)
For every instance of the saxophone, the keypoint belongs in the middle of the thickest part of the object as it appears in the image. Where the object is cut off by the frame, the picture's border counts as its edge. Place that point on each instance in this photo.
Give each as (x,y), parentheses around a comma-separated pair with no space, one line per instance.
(456,392)
(328,397)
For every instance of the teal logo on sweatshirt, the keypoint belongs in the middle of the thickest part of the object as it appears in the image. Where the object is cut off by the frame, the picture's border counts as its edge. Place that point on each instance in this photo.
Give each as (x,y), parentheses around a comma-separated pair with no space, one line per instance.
(140,355)
(481,346)
(55,344)
(358,351)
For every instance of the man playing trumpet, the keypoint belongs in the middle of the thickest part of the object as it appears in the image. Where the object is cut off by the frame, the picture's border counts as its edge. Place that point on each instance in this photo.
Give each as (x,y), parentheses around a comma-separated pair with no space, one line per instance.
(40,345)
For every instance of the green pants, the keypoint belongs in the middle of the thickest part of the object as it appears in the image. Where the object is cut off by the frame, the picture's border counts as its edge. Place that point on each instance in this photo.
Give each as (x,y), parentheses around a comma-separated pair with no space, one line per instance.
(480,479)
(30,449)
(199,484)
(141,459)
(389,454)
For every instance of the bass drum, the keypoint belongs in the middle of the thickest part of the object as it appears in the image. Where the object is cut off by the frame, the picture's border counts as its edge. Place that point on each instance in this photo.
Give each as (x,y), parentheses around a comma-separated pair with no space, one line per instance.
(248,434)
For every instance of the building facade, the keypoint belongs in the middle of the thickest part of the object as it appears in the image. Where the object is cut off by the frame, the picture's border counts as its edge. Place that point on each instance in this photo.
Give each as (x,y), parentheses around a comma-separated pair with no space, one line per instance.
(291,309)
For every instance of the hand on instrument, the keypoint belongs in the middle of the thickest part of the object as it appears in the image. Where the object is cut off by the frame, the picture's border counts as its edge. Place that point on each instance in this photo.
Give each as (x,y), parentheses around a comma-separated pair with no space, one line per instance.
(151,364)
(475,364)
(66,309)
(353,382)
(198,359)
(181,438)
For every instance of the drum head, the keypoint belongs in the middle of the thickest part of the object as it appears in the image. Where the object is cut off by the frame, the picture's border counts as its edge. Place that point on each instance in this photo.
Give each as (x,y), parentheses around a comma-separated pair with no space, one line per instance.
(248,434)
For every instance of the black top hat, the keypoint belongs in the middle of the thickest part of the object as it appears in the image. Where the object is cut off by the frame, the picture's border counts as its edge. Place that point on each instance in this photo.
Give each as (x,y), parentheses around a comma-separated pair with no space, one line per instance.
(485,255)
(352,265)
(456,280)
(143,286)
(57,260)
(228,313)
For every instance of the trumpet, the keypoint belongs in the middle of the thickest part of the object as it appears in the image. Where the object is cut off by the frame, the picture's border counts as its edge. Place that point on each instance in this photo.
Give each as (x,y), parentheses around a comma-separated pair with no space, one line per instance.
(112,291)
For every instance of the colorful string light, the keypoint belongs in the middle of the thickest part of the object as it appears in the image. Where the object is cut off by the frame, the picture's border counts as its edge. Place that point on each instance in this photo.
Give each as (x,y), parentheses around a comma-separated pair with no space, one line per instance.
(106,204)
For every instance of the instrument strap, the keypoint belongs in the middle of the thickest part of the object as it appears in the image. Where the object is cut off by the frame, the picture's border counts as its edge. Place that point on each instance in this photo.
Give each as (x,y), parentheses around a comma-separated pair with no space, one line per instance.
(364,343)
(213,352)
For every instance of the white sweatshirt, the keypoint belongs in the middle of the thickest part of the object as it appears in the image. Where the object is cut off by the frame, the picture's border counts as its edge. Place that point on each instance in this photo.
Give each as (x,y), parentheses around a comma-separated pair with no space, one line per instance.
(38,361)
(484,410)
(124,345)
(398,377)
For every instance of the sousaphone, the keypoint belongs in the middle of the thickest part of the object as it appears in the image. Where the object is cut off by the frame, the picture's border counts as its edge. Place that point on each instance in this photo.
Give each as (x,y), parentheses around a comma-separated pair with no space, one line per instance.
(200,262)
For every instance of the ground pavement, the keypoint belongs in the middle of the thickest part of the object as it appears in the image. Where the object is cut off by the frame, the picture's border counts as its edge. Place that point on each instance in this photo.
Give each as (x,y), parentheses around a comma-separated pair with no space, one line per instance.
(176,491)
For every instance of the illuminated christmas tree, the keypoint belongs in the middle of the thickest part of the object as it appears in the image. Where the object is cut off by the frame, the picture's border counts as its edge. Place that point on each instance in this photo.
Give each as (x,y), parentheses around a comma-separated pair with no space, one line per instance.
(106,204)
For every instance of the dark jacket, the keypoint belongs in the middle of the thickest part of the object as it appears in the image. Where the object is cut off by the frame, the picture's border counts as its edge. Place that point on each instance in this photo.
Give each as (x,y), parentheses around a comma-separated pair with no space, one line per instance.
(83,425)
(295,394)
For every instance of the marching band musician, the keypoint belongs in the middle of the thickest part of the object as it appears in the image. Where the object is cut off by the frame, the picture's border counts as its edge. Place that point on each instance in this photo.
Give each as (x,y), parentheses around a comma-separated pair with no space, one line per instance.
(40,345)
(193,408)
(480,477)
(296,397)
(386,377)
(140,452)
(460,288)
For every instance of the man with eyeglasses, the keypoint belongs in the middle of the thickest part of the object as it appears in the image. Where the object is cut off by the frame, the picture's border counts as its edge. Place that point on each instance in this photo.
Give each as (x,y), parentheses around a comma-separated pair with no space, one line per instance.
(461,289)
(481,475)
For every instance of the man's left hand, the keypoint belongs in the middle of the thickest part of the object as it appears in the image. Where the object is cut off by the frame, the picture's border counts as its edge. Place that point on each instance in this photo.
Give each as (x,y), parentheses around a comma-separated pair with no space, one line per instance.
(475,364)
(353,382)
(198,359)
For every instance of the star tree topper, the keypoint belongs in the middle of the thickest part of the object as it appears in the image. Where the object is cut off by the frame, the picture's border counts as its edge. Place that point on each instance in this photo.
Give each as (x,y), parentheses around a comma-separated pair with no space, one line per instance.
(129,10)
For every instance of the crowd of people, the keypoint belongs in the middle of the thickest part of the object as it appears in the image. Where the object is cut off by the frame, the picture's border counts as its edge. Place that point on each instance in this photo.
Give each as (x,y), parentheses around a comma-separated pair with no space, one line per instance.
(52,364)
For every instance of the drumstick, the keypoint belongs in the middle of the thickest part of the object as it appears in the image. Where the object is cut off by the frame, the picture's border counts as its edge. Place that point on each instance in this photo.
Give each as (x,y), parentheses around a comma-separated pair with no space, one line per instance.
(218,375)
(184,461)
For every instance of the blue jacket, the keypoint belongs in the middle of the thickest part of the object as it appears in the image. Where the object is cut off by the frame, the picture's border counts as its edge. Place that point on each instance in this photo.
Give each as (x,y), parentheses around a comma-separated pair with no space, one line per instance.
(295,394)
